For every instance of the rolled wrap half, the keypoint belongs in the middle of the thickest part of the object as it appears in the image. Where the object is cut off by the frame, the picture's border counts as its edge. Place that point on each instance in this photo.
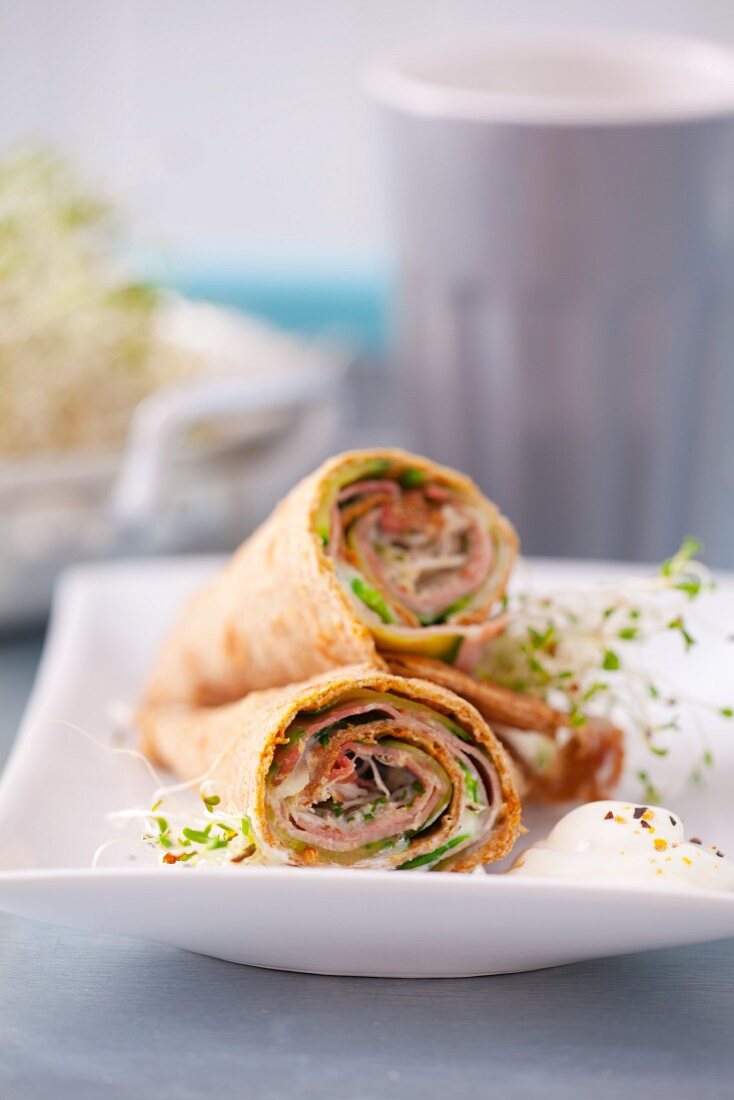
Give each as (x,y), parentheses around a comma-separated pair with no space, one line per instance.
(375,550)
(555,762)
(355,768)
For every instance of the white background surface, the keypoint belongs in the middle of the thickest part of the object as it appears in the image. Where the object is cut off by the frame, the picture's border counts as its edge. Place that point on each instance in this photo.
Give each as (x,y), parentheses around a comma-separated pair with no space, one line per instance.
(241,124)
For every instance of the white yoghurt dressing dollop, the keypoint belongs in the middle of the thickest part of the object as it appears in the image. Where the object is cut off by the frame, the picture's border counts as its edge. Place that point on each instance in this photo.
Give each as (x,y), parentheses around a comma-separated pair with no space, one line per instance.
(626,842)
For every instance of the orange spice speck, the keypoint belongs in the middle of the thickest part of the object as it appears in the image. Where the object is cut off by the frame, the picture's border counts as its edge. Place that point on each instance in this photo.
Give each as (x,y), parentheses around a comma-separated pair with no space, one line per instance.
(620,820)
(660,844)
(648,815)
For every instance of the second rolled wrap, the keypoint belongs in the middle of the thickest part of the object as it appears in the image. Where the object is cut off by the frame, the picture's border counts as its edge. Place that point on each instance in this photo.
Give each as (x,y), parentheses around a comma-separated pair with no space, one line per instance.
(375,550)
(355,768)
(554,761)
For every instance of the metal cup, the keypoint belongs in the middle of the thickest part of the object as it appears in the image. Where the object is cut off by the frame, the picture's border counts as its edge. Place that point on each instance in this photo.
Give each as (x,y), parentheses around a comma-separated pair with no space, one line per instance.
(564,226)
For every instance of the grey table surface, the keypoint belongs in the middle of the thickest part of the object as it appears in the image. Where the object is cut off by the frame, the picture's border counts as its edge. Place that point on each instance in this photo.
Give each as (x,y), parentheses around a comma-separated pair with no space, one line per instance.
(98,1016)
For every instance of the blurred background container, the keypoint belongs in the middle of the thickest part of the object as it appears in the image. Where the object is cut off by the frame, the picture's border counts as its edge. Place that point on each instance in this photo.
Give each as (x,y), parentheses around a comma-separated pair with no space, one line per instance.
(564,222)
(239,143)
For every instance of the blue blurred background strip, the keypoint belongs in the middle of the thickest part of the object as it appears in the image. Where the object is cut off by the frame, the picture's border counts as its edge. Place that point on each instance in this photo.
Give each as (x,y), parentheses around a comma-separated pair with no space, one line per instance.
(349,301)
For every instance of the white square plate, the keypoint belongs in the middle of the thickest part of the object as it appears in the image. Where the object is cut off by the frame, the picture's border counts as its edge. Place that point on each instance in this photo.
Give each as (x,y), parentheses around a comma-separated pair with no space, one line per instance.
(58,788)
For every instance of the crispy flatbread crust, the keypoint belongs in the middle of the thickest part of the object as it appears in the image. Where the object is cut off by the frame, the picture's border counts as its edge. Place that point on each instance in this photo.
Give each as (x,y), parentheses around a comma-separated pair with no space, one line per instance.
(276,613)
(588,763)
(233,745)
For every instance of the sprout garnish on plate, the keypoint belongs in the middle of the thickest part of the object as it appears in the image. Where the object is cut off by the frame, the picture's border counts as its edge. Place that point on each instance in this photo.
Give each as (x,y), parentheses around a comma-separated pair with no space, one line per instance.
(577,650)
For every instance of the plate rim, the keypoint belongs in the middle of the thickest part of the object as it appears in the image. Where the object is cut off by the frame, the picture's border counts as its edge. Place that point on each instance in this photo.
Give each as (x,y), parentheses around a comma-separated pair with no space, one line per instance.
(477,882)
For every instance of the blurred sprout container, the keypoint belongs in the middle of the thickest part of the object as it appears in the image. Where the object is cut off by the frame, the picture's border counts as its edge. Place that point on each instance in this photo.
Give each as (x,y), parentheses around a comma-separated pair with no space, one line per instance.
(198,462)
(131,421)
(564,223)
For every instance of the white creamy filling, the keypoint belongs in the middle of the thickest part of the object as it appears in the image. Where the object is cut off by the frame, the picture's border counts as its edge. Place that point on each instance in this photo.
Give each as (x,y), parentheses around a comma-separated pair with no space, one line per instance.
(625,841)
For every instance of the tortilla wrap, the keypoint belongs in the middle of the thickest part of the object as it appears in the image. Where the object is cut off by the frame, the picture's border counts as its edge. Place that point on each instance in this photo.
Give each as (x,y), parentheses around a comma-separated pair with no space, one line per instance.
(375,550)
(355,768)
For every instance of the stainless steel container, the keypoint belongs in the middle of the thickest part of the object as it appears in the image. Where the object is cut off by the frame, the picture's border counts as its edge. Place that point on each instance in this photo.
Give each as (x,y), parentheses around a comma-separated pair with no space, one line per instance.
(564,227)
